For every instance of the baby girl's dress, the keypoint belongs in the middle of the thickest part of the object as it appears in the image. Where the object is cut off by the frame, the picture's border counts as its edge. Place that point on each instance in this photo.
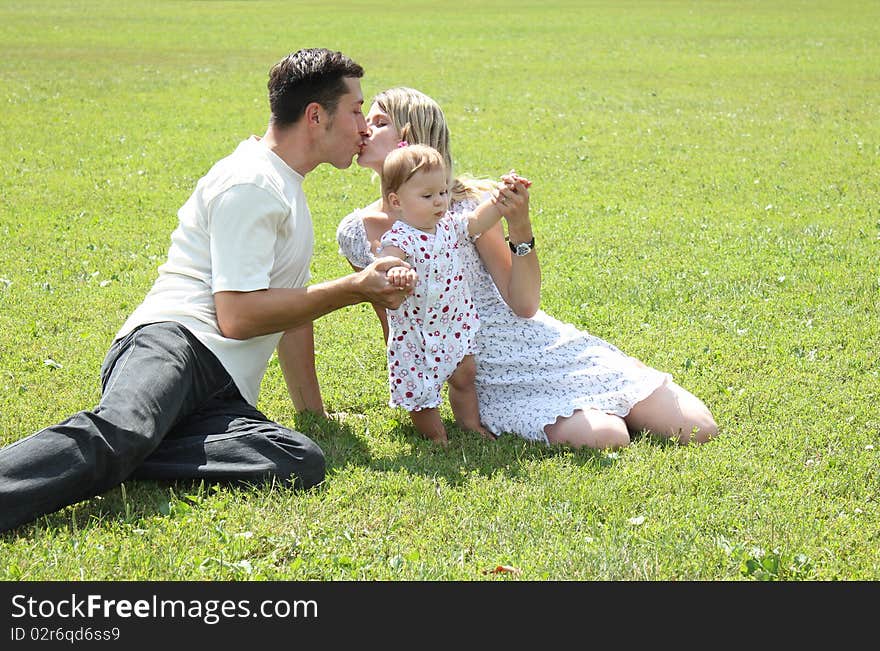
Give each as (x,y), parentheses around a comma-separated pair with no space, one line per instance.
(434,327)
(529,371)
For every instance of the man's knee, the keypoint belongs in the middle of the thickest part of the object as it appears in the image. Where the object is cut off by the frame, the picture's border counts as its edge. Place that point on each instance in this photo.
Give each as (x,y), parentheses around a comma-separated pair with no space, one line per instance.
(304,464)
(314,465)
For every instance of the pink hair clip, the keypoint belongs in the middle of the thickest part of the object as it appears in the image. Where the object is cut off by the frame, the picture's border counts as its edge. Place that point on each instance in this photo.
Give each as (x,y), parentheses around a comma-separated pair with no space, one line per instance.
(402,143)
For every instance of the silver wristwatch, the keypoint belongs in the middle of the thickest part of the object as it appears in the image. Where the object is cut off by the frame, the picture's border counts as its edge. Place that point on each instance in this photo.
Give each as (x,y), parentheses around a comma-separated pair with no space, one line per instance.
(523,248)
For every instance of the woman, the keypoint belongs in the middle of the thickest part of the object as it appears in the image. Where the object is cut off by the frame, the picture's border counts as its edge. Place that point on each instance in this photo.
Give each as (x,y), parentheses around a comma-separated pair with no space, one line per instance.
(537,377)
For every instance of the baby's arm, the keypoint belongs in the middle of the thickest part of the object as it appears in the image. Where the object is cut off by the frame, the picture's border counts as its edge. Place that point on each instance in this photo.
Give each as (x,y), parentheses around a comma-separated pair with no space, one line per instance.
(484,217)
(490,212)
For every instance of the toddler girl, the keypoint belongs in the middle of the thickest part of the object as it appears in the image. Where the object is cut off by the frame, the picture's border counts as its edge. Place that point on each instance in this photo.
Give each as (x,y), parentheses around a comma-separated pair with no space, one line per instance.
(431,335)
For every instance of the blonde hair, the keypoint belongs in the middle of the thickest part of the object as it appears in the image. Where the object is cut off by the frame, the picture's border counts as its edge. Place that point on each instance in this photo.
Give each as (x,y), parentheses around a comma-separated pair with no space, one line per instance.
(420,120)
(402,163)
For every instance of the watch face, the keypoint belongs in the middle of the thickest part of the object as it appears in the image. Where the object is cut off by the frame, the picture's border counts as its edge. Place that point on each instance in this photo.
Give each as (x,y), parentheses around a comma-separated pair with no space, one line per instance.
(523,249)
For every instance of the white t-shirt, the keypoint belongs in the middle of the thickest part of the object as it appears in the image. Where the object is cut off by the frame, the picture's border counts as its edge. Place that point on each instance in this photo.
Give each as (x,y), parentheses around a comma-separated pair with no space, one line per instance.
(246,227)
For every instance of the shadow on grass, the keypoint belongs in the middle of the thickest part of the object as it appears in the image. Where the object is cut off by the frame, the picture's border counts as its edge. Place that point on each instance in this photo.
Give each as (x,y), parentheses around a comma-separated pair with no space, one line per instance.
(467,452)
(137,501)
(128,504)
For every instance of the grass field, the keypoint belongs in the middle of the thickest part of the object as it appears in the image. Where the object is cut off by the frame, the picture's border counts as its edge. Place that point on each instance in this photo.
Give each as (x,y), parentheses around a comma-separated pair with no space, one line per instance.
(706,196)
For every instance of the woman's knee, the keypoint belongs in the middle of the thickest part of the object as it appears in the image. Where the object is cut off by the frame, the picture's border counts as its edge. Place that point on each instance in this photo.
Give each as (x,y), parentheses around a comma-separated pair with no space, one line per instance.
(595,429)
(696,424)
(610,437)
(702,426)
(673,412)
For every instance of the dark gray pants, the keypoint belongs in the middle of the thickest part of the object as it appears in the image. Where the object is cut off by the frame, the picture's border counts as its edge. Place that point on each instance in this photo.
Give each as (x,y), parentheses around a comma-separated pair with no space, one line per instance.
(168,410)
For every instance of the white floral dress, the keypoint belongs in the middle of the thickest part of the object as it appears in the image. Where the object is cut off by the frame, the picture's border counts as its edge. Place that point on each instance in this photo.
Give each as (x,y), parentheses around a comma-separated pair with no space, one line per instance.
(434,327)
(530,371)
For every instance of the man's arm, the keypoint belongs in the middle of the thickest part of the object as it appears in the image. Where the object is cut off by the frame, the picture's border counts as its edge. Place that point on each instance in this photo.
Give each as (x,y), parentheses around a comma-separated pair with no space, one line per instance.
(242,315)
(296,354)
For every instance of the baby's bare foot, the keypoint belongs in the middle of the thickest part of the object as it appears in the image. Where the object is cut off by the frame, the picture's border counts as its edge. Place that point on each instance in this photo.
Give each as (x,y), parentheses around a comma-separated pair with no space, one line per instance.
(478,428)
(440,439)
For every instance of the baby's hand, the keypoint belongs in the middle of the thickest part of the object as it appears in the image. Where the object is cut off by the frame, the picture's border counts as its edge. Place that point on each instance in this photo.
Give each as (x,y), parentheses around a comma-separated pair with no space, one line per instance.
(403,278)
(511,179)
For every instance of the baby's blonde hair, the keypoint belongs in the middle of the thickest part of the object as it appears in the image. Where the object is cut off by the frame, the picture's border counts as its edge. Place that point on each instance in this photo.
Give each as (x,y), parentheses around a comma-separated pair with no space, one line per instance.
(420,120)
(402,163)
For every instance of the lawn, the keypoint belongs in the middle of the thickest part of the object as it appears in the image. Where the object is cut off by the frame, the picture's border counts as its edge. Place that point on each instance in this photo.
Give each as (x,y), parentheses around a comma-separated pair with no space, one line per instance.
(706,197)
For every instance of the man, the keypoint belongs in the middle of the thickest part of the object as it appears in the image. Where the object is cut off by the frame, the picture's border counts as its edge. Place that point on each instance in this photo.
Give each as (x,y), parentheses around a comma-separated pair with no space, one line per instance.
(181,380)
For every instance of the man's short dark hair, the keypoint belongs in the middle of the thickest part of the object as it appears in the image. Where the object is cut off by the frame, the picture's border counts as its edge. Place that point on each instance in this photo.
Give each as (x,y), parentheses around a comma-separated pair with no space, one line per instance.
(306,76)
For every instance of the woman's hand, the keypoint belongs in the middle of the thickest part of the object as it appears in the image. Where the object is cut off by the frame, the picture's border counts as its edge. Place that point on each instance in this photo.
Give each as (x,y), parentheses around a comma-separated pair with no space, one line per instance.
(512,198)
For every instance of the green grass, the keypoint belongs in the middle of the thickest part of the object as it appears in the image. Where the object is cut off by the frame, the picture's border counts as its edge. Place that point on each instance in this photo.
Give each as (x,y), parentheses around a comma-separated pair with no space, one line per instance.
(705,197)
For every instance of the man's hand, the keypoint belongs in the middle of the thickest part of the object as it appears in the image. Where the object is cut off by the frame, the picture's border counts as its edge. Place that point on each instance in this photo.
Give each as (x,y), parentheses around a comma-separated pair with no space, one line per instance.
(376,287)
